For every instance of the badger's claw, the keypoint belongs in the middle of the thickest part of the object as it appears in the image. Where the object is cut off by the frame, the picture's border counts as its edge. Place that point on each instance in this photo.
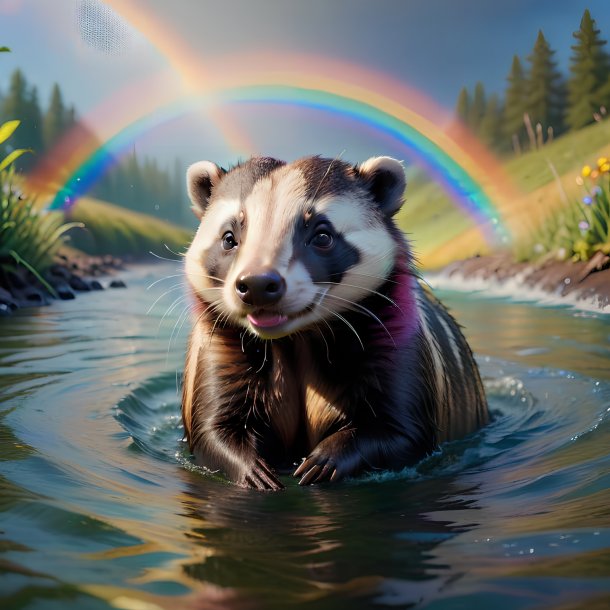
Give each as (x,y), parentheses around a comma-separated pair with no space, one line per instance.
(333,459)
(315,473)
(260,477)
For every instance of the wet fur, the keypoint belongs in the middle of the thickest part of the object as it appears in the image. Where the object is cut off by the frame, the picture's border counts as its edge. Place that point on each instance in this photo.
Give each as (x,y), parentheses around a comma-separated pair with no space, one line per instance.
(377,387)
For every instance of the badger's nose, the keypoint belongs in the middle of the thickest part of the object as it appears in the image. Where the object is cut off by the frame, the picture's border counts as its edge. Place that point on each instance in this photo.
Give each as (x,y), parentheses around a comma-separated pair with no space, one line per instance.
(261,287)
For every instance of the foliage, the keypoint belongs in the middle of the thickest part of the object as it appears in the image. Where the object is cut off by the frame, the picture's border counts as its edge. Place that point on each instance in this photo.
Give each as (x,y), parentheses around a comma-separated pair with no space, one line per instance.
(462,107)
(490,128)
(516,102)
(57,119)
(540,95)
(143,186)
(27,236)
(582,227)
(545,88)
(476,111)
(589,66)
(21,103)
(433,220)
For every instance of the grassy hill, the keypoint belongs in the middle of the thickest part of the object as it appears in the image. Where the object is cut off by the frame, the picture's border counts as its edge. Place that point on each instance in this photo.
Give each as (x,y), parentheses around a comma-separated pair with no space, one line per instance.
(110,229)
(441,232)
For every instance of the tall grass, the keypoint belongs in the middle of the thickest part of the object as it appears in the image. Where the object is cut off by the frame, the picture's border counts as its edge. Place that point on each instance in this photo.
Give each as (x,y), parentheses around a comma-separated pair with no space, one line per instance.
(579,229)
(28,237)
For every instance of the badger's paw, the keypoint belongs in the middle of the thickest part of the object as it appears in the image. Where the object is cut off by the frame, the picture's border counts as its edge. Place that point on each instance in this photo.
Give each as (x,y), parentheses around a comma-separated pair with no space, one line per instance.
(260,476)
(333,459)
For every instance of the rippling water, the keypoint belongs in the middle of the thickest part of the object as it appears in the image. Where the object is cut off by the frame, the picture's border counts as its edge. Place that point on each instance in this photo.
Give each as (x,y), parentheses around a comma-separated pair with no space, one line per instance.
(101,507)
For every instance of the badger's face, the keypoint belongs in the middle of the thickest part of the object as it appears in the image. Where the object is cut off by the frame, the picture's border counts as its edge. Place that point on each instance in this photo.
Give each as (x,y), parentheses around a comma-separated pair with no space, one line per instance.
(284,246)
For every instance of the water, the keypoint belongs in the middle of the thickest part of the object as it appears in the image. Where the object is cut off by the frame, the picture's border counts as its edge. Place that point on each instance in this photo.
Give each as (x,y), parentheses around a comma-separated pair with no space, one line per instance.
(100,506)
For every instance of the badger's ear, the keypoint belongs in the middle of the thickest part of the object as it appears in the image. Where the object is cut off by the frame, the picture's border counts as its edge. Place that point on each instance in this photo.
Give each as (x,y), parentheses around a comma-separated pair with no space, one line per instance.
(201,178)
(385,179)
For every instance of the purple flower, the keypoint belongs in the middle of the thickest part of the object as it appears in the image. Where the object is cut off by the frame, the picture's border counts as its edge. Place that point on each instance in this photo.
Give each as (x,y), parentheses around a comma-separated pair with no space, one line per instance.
(587,200)
(596,190)
(583,225)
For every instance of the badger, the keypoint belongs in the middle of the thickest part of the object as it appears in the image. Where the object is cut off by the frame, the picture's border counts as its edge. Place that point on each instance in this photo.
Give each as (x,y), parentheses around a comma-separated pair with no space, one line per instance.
(315,347)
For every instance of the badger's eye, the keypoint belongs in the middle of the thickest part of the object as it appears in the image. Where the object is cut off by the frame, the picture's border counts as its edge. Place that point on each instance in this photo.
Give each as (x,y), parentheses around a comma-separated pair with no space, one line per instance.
(323,239)
(228,241)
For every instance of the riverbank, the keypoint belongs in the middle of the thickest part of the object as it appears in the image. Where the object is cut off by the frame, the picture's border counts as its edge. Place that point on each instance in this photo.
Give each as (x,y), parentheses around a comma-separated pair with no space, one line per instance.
(585,285)
(72,273)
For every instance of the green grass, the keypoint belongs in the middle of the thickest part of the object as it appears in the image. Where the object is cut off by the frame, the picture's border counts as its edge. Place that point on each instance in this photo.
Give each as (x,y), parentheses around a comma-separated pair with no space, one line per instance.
(110,229)
(433,220)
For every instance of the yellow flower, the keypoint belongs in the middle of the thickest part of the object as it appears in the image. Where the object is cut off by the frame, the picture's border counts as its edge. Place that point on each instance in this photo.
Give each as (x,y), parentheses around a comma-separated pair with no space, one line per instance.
(604,167)
(581,250)
(586,171)
(601,161)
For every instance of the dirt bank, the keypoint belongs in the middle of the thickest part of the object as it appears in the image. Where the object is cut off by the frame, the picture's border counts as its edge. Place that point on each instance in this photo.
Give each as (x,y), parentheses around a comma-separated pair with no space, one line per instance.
(580,282)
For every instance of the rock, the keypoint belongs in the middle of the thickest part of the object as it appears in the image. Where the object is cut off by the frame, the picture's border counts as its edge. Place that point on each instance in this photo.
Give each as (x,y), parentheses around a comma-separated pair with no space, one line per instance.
(117,284)
(95,285)
(59,271)
(7,302)
(77,283)
(63,291)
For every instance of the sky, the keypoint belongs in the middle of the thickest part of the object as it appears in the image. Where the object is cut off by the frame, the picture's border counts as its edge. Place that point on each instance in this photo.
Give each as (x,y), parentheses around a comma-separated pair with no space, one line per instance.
(433,47)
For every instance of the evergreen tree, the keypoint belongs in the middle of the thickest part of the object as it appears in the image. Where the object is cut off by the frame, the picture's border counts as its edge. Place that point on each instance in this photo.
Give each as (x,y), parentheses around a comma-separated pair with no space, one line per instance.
(32,125)
(545,87)
(70,117)
(21,104)
(490,130)
(515,104)
(462,108)
(589,66)
(15,99)
(54,122)
(477,108)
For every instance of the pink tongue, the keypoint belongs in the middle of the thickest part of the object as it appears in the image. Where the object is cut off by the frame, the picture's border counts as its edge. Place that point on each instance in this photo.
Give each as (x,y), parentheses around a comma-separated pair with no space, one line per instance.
(266,320)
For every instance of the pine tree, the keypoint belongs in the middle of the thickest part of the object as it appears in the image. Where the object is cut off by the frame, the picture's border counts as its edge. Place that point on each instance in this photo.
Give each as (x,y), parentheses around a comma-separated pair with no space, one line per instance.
(462,108)
(15,99)
(545,88)
(490,130)
(70,117)
(515,104)
(32,125)
(54,118)
(477,108)
(589,66)
(21,103)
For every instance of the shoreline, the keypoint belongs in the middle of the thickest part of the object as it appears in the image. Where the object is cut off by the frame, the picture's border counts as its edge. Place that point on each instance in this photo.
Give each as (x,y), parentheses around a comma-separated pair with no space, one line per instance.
(584,285)
(70,275)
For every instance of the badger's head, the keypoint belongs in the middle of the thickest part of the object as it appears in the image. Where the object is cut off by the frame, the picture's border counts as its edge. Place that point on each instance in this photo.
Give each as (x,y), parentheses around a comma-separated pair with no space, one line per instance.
(283,246)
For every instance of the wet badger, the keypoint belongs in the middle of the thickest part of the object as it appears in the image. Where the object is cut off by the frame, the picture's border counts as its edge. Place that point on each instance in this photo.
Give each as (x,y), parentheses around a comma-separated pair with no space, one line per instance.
(313,337)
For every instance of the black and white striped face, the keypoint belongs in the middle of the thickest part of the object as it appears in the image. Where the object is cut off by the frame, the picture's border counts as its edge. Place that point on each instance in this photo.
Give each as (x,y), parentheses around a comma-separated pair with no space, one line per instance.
(283,246)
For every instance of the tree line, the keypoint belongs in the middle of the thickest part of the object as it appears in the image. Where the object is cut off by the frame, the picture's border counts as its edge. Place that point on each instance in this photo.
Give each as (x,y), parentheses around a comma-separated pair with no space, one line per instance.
(133,183)
(539,102)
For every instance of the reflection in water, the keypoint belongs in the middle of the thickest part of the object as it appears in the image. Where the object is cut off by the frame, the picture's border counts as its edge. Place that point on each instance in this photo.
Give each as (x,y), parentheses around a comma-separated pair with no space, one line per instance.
(359,540)
(101,507)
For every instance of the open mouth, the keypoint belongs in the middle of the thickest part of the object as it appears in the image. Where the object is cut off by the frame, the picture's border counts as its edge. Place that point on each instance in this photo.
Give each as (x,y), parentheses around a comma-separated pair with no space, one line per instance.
(267,319)
(270,320)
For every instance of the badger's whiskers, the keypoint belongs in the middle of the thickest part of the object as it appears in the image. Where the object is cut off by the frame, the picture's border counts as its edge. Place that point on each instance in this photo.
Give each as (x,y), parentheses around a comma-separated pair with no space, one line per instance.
(364,310)
(345,321)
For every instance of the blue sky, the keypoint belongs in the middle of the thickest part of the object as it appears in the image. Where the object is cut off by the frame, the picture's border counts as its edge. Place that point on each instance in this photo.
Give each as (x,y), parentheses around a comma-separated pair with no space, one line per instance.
(433,45)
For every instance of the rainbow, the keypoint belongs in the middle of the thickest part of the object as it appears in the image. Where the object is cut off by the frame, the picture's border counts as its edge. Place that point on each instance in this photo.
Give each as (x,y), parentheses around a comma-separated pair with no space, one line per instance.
(458,182)
(466,170)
